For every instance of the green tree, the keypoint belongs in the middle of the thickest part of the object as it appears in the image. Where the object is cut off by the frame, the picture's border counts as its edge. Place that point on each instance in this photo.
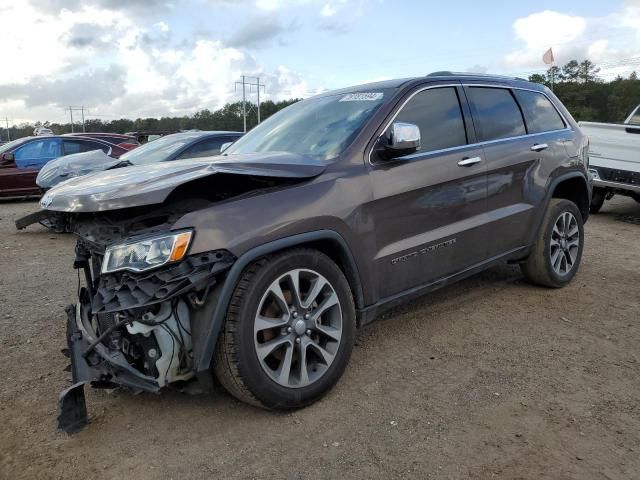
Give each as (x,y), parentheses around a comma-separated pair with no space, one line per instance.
(571,71)
(538,78)
(587,71)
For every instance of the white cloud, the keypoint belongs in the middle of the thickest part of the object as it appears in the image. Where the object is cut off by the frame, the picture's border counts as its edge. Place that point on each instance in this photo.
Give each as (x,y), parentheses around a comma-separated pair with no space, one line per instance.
(330,8)
(162,26)
(612,40)
(114,63)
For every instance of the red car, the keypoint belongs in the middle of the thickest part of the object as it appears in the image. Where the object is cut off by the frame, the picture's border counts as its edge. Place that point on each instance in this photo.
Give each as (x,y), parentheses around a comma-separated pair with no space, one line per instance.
(21,159)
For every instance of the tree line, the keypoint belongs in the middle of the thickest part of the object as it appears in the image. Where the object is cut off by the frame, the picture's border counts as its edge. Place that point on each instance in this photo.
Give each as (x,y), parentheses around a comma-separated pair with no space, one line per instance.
(587,96)
(228,118)
(577,85)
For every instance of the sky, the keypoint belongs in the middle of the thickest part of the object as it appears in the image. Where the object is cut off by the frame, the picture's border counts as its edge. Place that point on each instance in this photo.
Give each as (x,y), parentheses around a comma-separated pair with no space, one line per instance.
(153,58)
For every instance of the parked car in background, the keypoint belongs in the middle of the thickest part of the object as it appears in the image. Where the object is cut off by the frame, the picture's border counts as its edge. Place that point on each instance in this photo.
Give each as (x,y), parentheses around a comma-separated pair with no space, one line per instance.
(614,159)
(20,160)
(150,135)
(42,131)
(169,147)
(125,141)
(258,265)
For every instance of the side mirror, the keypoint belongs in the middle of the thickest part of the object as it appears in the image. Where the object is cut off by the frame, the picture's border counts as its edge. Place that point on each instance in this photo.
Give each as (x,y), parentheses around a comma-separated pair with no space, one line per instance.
(224,146)
(7,158)
(404,139)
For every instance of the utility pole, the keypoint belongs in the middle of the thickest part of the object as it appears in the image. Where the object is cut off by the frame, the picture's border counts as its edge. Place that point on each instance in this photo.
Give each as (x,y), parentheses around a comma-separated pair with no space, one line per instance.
(81,109)
(8,131)
(258,85)
(244,84)
(244,106)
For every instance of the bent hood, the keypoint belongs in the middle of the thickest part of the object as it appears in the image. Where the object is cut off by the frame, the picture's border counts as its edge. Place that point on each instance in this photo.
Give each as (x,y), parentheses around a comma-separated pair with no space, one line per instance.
(74,165)
(141,185)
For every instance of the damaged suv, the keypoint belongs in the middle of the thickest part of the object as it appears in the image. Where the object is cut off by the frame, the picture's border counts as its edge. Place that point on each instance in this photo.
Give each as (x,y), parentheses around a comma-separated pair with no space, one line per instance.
(259,265)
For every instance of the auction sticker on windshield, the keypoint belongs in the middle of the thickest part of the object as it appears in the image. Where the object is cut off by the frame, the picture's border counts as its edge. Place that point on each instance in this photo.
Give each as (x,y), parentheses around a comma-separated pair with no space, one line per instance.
(362,97)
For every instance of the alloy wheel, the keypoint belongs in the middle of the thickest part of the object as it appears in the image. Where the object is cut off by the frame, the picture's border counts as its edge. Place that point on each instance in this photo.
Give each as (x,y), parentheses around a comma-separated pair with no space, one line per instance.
(565,243)
(298,328)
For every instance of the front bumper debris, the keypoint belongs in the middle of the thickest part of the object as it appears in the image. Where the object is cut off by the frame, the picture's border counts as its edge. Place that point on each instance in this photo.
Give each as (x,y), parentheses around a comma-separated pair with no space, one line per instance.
(123,330)
(99,366)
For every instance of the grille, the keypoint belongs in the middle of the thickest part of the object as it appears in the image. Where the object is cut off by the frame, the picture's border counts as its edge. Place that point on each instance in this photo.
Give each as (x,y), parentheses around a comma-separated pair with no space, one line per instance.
(620,176)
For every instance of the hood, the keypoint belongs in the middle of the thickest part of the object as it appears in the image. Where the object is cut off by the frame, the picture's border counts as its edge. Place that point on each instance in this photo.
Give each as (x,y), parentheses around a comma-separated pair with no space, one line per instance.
(74,165)
(151,184)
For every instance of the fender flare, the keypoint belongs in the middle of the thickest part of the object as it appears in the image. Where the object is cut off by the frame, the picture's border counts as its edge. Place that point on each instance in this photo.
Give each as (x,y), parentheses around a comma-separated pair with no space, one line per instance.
(568,176)
(210,319)
(549,195)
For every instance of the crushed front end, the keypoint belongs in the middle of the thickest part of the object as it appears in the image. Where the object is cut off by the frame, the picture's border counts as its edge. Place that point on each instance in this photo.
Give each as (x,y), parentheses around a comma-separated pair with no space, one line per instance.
(132,326)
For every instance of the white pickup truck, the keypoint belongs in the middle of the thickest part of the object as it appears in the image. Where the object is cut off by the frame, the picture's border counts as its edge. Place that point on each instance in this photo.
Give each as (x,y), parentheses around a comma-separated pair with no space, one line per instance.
(614,158)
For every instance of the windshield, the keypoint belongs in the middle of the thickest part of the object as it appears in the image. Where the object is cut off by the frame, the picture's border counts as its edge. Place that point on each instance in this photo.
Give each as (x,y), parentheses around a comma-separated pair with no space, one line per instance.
(159,150)
(14,143)
(319,127)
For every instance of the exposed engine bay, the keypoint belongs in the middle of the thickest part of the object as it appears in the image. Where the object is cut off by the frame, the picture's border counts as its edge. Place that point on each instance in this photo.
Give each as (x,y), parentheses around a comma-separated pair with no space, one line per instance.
(133,329)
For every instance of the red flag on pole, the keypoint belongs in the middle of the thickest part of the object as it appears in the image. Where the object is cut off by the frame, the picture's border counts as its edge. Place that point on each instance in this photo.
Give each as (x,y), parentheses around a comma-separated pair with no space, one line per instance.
(548,57)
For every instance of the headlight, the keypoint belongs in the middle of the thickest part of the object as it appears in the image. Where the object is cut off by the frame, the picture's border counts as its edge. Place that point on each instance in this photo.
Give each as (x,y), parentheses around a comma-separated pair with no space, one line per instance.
(146,254)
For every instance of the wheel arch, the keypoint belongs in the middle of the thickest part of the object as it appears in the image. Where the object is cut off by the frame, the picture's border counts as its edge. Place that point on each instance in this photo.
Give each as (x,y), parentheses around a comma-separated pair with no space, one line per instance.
(210,319)
(573,187)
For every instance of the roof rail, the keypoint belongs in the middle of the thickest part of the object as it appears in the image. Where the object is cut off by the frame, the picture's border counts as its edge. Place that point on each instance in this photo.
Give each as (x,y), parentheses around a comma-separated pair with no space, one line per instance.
(447,73)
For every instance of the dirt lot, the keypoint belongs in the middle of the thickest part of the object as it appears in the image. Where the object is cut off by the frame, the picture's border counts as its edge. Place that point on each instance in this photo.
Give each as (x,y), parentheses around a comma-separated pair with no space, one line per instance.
(490,378)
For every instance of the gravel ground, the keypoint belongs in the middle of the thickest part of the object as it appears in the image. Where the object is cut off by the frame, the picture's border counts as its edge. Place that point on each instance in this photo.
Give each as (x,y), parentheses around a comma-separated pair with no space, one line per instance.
(489,378)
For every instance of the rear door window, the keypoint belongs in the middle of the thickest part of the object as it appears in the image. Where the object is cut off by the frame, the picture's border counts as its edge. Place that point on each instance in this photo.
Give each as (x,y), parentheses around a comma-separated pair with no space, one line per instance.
(36,153)
(78,146)
(539,113)
(496,113)
(437,112)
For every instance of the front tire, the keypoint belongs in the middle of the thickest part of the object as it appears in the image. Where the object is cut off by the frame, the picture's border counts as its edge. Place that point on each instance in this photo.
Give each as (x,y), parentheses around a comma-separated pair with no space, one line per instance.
(556,254)
(289,331)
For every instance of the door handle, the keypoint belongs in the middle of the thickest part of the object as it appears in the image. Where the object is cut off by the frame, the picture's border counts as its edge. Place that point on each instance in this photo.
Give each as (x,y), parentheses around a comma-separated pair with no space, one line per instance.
(539,147)
(467,162)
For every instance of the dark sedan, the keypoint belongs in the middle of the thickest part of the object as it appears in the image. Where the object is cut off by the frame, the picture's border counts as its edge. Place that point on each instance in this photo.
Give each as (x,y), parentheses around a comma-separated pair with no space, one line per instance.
(20,160)
(170,147)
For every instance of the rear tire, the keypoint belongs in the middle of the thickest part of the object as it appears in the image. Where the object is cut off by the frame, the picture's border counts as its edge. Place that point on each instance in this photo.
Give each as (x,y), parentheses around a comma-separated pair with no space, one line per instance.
(557,251)
(283,350)
(597,199)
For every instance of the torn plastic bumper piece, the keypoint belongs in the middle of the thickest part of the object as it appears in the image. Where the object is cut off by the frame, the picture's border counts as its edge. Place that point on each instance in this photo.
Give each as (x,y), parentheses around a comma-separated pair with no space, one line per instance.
(98,366)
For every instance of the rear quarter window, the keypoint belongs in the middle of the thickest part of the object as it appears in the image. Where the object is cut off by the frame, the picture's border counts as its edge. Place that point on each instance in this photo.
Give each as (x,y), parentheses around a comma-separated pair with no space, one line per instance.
(539,112)
(496,113)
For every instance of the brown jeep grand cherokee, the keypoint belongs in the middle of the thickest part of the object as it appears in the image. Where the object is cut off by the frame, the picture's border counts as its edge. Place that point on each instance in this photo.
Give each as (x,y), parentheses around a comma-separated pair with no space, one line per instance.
(260,264)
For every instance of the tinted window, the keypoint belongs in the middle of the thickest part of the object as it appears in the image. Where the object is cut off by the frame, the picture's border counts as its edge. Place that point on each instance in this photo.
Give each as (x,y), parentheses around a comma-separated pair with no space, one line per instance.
(78,146)
(36,153)
(496,113)
(164,148)
(539,113)
(437,113)
(205,148)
